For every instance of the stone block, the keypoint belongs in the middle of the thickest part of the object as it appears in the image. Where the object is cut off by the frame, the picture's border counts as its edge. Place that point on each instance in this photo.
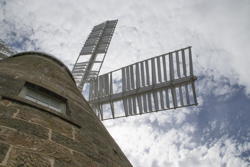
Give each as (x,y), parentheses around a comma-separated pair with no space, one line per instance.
(45,119)
(33,143)
(6,112)
(22,158)
(3,151)
(25,127)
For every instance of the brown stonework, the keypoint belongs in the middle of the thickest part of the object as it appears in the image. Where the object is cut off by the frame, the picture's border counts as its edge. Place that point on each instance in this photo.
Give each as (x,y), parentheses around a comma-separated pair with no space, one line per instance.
(32,135)
(44,119)
(3,151)
(26,127)
(23,158)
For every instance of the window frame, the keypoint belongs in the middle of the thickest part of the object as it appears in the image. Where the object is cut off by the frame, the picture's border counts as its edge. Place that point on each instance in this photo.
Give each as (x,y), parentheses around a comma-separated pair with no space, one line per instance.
(39,95)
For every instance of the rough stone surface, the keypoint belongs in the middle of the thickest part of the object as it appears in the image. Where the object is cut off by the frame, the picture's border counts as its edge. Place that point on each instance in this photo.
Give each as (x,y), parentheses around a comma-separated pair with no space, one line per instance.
(26,127)
(21,158)
(3,151)
(44,119)
(40,137)
(33,143)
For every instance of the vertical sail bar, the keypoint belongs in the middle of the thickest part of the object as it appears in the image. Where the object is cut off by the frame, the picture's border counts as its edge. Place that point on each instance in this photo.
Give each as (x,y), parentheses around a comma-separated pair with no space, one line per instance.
(154,83)
(107,84)
(178,64)
(90,90)
(99,87)
(110,93)
(161,99)
(185,74)
(181,95)
(130,108)
(138,80)
(184,62)
(101,111)
(124,88)
(149,102)
(132,77)
(171,71)
(187,94)
(147,72)
(125,105)
(123,80)
(194,94)
(139,103)
(159,69)
(167,99)
(153,72)
(134,106)
(145,103)
(171,67)
(128,78)
(142,75)
(190,61)
(164,68)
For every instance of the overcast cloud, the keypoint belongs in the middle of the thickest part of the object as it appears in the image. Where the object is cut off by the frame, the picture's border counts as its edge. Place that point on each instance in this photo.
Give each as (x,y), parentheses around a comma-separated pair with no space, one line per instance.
(216,133)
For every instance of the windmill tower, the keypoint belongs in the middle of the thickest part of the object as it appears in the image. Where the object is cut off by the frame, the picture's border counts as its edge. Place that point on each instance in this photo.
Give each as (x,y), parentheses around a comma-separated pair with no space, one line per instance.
(160,83)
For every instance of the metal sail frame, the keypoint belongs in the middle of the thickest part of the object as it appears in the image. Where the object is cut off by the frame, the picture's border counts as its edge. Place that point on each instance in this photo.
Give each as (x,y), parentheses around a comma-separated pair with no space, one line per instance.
(95,46)
(5,50)
(160,83)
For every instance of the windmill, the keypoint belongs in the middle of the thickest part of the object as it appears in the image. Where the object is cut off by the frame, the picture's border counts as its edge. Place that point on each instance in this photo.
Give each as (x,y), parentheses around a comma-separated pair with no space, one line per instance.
(160,83)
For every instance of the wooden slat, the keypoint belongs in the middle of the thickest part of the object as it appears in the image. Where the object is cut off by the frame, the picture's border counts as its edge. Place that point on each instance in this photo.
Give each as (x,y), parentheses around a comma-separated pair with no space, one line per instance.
(178,64)
(153,71)
(106,78)
(147,72)
(132,77)
(187,94)
(128,78)
(194,93)
(125,105)
(184,62)
(155,97)
(173,91)
(149,103)
(142,75)
(181,96)
(130,107)
(139,102)
(190,61)
(124,83)
(161,99)
(110,93)
(91,90)
(96,88)
(134,106)
(138,80)
(145,108)
(167,99)
(164,67)
(101,111)
(171,67)
(100,87)
(159,69)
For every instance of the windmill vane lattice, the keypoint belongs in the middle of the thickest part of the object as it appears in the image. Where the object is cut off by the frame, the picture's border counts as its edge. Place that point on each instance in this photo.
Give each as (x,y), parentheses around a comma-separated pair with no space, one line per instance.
(160,83)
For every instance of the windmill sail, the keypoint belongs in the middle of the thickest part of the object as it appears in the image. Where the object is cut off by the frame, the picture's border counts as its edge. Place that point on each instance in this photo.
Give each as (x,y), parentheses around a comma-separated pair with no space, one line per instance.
(91,57)
(5,50)
(159,83)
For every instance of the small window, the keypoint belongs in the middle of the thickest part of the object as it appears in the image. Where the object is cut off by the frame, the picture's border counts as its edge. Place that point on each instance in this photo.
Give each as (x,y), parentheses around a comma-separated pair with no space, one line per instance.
(43,97)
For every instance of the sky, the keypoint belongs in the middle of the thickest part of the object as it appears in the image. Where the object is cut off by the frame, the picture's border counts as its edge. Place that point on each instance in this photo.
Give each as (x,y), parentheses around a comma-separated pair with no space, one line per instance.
(214,133)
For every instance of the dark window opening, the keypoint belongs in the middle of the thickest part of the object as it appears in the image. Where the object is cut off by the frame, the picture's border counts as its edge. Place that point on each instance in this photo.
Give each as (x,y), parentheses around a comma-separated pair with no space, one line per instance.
(44,97)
